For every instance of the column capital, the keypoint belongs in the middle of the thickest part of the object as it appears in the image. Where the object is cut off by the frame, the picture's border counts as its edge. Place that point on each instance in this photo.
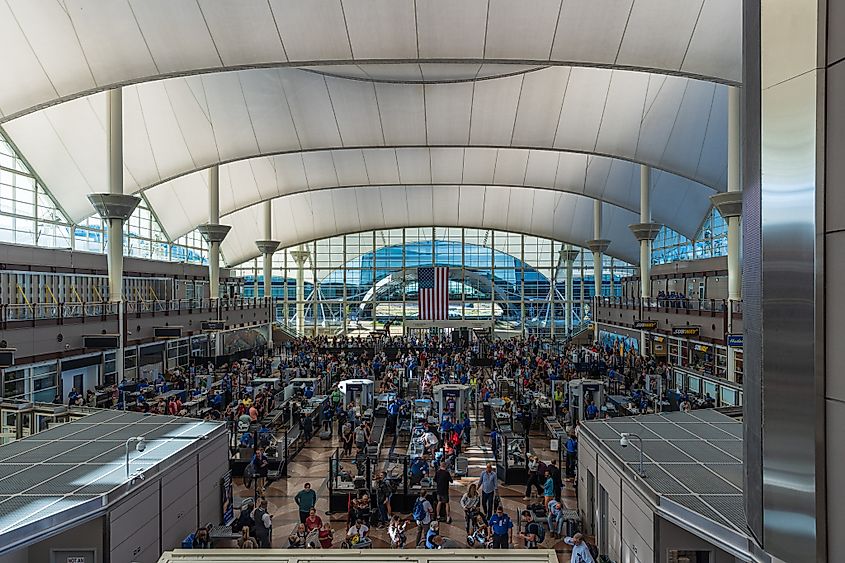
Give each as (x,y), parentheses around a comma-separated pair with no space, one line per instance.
(568,255)
(267,246)
(114,206)
(728,204)
(213,232)
(645,231)
(598,245)
(300,256)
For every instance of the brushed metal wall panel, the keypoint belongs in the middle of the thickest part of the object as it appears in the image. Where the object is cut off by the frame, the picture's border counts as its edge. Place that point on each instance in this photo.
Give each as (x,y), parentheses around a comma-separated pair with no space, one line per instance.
(751,271)
(789,371)
(788,304)
(784,277)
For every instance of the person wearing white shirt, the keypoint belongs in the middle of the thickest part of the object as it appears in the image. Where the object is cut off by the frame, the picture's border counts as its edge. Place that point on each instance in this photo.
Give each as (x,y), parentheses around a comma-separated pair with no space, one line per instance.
(357,533)
(430,441)
(580,549)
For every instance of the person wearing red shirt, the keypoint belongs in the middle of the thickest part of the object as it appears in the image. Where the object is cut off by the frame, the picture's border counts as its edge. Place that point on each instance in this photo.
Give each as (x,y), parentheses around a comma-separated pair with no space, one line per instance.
(313,522)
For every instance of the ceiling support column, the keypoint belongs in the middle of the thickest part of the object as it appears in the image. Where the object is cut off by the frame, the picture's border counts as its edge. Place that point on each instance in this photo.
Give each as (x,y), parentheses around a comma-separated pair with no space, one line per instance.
(598,245)
(214,232)
(729,206)
(115,208)
(568,256)
(300,256)
(645,231)
(267,247)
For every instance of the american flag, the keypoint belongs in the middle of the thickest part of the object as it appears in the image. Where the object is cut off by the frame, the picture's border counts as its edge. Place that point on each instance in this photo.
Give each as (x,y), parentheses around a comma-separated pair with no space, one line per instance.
(434,293)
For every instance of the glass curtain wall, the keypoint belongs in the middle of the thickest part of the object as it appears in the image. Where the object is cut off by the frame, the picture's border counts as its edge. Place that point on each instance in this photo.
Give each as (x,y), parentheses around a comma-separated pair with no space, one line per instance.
(28,215)
(711,241)
(361,280)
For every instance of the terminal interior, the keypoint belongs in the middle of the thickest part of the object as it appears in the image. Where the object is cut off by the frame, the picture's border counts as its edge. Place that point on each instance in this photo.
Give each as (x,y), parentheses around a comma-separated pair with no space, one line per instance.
(421,280)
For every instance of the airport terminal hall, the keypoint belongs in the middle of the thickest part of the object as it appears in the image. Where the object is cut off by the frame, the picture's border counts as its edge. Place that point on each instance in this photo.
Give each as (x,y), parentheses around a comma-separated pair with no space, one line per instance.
(422,281)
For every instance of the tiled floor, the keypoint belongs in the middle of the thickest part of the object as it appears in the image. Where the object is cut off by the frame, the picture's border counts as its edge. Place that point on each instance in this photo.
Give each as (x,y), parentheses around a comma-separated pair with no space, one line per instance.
(312,465)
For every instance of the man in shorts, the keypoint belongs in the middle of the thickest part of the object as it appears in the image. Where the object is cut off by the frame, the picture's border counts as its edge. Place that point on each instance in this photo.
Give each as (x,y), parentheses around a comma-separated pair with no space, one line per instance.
(442,480)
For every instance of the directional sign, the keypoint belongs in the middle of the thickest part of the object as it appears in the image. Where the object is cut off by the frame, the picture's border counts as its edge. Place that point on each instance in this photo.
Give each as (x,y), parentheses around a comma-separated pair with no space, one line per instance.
(213,325)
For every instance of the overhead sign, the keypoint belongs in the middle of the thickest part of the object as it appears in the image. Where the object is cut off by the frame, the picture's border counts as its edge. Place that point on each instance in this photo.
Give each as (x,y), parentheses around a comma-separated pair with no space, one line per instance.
(167,331)
(101,341)
(7,357)
(686,331)
(645,325)
(213,325)
(735,340)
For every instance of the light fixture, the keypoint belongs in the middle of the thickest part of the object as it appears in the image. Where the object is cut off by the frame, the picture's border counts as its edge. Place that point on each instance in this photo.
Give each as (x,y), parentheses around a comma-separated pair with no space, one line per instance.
(625,441)
(140,446)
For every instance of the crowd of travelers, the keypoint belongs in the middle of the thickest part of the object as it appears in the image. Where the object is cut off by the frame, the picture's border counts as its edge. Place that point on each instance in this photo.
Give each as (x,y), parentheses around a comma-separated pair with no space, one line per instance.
(531,363)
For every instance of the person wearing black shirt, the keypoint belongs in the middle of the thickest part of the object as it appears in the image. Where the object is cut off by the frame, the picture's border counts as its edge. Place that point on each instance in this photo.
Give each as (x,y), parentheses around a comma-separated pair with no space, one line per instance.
(554,473)
(442,479)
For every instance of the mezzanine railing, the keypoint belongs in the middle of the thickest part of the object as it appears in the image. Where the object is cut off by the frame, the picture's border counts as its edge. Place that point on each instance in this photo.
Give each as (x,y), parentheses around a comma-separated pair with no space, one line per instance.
(17,312)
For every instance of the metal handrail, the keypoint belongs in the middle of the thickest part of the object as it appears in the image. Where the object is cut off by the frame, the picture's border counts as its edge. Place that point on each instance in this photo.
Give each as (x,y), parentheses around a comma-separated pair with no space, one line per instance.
(55,311)
(669,304)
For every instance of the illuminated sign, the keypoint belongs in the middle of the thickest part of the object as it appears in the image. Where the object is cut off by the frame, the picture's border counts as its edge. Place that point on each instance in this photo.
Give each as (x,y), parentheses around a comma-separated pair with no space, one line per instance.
(686,331)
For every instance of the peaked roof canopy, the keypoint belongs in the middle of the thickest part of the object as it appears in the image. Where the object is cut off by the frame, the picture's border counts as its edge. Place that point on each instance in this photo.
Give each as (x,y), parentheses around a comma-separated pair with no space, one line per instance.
(388,100)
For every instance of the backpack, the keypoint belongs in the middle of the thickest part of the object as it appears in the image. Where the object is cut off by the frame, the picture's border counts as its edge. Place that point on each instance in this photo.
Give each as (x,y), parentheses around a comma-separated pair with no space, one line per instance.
(538,529)
(594,551)
(419,513)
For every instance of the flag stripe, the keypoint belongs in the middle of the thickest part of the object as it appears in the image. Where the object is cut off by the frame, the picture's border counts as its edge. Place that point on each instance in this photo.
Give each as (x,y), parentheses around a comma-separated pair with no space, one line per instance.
(433,301)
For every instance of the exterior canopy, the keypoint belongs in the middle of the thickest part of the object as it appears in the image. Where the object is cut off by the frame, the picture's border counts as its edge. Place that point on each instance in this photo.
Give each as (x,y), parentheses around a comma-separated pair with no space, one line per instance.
(314,215)
(56,51)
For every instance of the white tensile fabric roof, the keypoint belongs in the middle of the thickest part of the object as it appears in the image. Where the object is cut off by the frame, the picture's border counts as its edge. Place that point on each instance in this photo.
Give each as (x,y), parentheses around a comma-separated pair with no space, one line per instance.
(435,110)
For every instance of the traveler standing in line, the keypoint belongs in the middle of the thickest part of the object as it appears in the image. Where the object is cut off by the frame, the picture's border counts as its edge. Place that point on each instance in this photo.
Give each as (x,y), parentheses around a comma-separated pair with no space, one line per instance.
(470,502)
(501,527)
(571,453)
(327,415)
(263,524)
(347,439)
(305,500)
(533,477)
(548,489)
(488,484)
(307,426)
(360,437)
(383,494)
(260,467)
(554,473)
(442,479)
(313,522)
(422,515)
